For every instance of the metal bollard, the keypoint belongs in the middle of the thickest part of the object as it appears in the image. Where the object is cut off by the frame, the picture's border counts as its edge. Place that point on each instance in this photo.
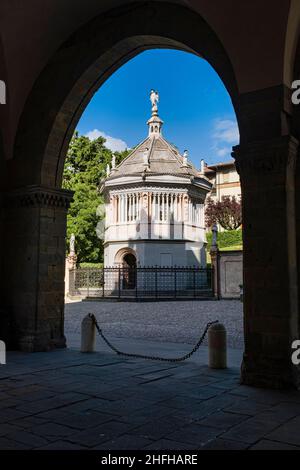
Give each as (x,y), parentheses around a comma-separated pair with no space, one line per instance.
(217,347)
(88,334)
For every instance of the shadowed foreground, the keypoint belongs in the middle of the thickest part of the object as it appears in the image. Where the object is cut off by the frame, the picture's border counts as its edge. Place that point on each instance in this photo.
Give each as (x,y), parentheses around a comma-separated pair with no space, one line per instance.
(68,400)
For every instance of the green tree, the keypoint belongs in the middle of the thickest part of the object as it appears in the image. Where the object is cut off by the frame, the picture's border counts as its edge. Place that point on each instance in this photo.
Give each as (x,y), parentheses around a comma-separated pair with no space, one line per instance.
(85,166)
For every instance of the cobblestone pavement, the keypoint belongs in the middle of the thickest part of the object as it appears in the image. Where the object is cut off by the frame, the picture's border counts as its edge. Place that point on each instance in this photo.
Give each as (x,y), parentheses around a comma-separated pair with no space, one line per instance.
(176,321)
(69,400)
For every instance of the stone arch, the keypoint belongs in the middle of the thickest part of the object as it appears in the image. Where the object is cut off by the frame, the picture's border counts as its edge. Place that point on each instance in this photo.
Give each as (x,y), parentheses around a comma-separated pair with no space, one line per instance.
(34,214)
(85,61)
(126,258)
(120,255)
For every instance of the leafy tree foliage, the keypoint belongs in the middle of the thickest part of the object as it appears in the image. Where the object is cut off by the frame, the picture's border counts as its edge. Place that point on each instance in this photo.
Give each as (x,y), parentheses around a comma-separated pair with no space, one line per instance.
(227,212)
(85,166)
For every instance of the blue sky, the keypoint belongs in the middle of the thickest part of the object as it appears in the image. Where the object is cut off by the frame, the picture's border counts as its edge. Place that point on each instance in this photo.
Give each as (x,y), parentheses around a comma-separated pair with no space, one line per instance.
(196,109)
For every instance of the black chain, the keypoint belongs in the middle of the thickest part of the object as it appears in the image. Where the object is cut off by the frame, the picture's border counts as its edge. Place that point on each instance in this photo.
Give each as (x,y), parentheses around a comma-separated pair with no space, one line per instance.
(152,358)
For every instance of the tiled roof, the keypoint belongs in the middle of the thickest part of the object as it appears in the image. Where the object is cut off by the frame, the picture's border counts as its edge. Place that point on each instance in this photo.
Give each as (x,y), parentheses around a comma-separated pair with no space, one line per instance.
(216,166)
(163,158)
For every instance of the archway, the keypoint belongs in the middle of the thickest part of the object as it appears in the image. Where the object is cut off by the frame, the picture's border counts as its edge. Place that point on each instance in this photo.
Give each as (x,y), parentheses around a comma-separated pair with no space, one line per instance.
(126,259)
(37,207)
(129,271)
(129,261)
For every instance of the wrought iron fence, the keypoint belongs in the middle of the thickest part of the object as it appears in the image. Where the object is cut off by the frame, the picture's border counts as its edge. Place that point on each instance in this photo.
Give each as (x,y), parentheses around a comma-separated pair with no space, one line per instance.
(142,283)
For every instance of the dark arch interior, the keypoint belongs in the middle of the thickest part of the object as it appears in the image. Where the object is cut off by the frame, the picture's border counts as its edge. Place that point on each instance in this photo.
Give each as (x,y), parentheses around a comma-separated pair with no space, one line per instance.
(129,273)
(129,261)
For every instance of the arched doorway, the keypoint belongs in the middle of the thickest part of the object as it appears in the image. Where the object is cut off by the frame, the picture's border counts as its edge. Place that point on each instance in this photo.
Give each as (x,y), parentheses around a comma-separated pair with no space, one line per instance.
(129,271)
(129,261)
(126,260)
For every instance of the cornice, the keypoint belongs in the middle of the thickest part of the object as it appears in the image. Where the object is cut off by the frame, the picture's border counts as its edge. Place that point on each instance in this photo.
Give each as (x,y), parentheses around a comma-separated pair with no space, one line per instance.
(270,156)
(38,196)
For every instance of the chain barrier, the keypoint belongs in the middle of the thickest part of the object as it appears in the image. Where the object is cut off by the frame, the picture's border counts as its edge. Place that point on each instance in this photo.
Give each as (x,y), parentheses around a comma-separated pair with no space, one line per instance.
(153,358)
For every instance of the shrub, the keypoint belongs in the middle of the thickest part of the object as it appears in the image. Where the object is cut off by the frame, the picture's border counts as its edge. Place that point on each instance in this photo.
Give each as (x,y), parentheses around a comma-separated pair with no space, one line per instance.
(90,265)
(226,239)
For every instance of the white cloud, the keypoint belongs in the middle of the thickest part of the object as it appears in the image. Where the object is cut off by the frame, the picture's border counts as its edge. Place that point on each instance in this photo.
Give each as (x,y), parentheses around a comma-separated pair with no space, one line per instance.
(113,143)
(223,152)
(225,135)
(226,130)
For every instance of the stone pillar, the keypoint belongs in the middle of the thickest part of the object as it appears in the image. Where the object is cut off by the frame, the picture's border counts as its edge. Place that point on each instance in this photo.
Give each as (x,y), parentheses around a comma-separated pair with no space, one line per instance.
(34,264)
(144,216)
(185,217)
(5,320)
(115,217)
(129,207)
(139,207)
(214,256)
(71,261)
(149,203)
(267,171)
(179,208)
(121,199)
(124,208)
(119,208)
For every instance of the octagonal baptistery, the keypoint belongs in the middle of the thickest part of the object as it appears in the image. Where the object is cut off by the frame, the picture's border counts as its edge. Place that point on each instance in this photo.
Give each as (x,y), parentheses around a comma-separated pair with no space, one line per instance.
(155,205)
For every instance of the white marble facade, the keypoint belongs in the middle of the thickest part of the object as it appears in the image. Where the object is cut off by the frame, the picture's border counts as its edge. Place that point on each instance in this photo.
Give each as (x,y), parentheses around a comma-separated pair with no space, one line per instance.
(155,206)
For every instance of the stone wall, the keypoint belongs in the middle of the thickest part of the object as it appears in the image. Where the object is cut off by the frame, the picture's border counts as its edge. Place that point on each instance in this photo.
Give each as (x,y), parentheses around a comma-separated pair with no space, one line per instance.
(230,274)
(154,252)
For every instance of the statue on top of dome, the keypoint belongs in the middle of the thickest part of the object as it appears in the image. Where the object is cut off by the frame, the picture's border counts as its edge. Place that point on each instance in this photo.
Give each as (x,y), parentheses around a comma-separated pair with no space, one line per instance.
(154,98)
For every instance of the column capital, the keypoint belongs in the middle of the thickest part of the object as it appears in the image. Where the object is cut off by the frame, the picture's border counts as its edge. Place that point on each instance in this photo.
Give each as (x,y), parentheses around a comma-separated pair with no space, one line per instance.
(38,196)
(267,156)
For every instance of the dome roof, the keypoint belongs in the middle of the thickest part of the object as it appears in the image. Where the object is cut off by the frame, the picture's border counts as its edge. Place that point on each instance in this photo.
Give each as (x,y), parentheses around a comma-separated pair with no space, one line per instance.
(162,159)
(155,156)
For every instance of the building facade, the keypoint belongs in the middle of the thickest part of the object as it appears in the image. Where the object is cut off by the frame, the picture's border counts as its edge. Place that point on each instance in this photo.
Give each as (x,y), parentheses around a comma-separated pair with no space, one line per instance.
(224,178)
(155,205)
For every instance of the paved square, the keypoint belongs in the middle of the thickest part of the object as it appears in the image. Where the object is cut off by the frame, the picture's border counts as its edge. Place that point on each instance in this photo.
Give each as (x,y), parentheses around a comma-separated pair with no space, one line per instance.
(69,400)
(169,321)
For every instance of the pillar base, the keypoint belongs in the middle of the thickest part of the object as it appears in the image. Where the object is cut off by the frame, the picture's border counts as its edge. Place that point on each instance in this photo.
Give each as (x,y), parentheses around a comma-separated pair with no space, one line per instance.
(38,343)
(264,373)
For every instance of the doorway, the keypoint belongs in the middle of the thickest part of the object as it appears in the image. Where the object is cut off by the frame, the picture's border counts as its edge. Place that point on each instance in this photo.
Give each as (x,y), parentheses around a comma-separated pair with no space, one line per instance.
(129,271)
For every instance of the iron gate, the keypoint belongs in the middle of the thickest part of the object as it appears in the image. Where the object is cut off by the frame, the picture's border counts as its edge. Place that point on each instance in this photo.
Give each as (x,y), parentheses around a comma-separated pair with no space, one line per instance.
(142,283)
